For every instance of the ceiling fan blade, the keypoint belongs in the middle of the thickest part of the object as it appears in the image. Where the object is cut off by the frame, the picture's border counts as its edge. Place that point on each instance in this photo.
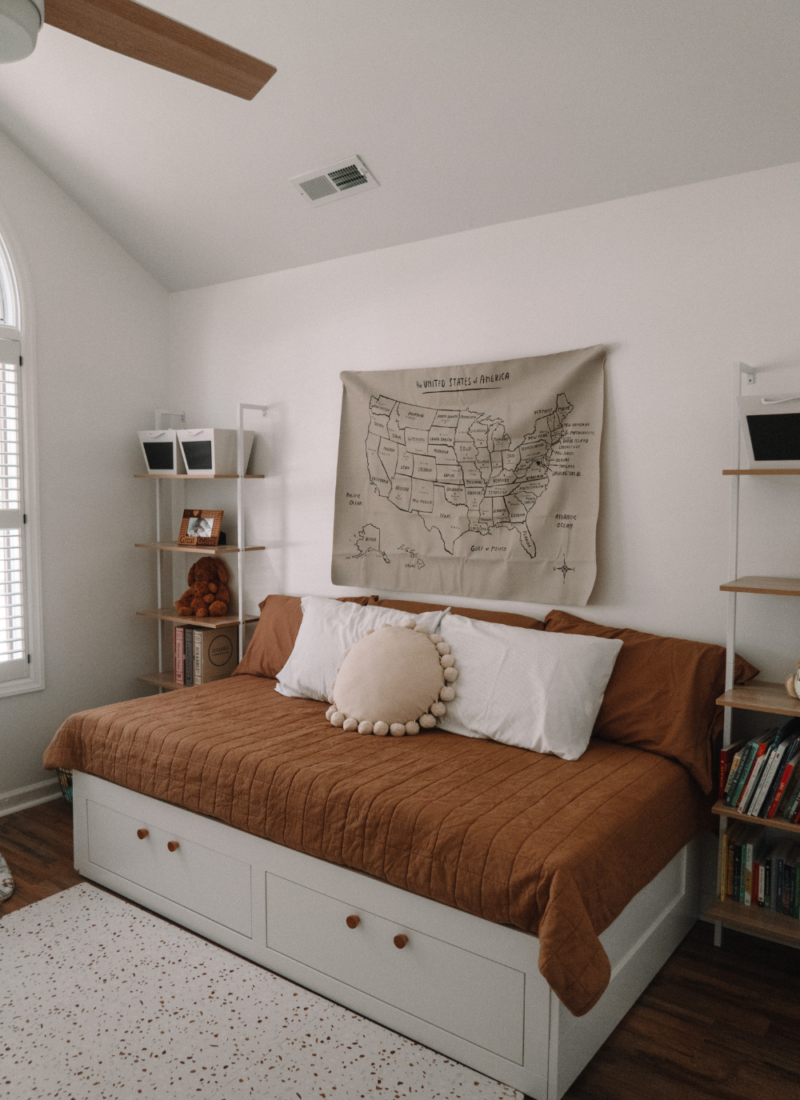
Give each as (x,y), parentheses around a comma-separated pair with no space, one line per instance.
(146,35)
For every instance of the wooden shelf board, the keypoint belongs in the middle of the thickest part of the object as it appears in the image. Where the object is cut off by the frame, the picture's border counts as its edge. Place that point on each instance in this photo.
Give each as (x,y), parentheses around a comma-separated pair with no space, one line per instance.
(763,473)
(766,586)
(721,810)
(770,698)
(756,921)
(194,549)
(190,477)
(170,615)
(162,680)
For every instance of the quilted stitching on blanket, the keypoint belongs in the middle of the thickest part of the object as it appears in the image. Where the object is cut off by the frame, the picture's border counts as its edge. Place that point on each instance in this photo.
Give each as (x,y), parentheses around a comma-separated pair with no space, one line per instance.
(553,847)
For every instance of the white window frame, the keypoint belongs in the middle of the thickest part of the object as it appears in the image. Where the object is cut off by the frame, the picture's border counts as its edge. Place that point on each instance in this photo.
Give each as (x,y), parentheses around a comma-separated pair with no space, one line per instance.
(18,327)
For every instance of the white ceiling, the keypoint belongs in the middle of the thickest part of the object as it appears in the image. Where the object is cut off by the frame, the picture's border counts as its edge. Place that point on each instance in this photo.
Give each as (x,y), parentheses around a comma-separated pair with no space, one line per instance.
(469,112)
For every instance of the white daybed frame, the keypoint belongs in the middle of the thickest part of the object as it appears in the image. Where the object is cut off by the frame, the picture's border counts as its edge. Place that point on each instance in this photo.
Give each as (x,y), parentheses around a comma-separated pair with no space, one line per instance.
(461,985)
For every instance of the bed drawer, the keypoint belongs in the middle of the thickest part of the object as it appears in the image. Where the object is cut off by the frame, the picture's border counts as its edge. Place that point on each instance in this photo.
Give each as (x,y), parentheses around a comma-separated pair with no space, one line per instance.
(210,883)
(464,993)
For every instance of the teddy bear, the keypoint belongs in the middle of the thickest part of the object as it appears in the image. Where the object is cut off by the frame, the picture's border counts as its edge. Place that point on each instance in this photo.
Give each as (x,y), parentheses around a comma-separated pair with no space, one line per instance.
(208,590)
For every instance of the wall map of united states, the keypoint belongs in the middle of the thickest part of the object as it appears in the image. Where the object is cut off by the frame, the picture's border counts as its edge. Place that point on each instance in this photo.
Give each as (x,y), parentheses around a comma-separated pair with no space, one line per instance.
(458,470)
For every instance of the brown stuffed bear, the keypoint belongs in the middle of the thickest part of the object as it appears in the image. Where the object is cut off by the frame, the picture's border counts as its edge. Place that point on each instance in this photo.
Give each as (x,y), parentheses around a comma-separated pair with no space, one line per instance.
(208,592)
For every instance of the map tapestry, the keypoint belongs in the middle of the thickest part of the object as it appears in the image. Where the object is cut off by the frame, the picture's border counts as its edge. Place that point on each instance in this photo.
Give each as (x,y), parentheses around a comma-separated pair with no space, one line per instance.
(479,481)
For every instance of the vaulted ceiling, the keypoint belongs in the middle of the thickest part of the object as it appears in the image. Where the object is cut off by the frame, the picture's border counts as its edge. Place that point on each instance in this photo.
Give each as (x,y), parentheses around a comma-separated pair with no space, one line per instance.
(469,113)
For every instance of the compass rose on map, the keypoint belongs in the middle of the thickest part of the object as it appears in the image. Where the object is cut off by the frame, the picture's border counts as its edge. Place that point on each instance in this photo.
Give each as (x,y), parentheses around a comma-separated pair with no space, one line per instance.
(563,569)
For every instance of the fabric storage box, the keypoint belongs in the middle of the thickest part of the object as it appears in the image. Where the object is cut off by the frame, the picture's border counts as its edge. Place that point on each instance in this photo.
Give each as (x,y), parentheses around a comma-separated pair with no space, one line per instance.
(161,451)
(212,451)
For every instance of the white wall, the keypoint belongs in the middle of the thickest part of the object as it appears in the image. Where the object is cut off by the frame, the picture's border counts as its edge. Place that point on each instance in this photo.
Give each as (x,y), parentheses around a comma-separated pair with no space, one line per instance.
(677,284)
(98,349)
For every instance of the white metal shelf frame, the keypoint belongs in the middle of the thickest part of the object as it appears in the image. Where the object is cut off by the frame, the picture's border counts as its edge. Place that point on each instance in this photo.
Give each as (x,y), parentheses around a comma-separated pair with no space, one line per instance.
(240,522)
(743,373)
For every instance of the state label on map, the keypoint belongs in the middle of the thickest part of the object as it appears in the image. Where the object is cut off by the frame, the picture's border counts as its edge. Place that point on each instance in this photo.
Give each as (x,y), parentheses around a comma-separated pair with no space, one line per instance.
(478,481)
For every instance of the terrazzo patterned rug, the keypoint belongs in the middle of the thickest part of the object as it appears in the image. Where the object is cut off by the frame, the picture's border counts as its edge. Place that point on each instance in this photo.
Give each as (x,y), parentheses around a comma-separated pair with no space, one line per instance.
(100,1000)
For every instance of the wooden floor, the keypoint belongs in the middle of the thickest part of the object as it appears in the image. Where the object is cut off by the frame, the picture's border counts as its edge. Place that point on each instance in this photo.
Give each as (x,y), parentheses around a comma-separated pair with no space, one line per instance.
(716,1024)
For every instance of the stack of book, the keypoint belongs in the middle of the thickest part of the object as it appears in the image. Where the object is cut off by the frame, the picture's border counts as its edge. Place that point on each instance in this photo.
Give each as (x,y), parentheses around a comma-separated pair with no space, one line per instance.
(200,656)
(758,869)
(761,777)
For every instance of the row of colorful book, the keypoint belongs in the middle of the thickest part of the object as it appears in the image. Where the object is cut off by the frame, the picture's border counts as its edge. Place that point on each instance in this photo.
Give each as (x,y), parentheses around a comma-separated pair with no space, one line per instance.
(761,870)
(761,777)
(200,656)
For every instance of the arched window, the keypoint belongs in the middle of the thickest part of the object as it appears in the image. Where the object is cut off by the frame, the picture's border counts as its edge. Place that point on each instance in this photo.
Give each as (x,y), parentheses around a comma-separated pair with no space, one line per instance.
(20,630)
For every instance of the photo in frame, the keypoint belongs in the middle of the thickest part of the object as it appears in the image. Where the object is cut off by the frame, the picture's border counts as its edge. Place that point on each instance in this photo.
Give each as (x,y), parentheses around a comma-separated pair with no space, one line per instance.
(200,527)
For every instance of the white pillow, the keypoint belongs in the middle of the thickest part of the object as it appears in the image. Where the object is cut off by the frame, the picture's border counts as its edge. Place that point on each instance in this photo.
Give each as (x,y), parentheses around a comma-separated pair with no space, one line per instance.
(531,688)
(328,630)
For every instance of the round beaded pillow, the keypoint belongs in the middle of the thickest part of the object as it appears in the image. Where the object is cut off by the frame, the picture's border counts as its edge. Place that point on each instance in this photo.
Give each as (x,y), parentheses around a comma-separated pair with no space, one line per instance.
(395,680)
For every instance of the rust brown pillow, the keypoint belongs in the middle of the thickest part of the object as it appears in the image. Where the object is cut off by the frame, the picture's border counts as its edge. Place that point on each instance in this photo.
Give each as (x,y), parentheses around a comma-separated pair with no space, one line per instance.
(275,634)
(506,618)
(662,693)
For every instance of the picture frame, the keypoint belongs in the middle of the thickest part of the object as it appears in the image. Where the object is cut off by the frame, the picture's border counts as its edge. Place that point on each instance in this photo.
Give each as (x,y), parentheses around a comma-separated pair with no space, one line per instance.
(200,527)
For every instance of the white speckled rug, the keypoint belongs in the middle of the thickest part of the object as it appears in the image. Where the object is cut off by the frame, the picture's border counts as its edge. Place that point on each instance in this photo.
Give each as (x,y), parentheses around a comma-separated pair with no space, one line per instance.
(103,1001)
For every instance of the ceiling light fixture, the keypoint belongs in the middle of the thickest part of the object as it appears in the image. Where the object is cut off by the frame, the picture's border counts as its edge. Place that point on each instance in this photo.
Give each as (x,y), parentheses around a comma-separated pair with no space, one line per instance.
(20,21)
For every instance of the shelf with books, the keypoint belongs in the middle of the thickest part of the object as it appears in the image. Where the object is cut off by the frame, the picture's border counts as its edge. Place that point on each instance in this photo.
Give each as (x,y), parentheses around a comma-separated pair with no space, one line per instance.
(221,638)
(170,615)
(759,871)
(759,779)
(759,782)
(200,655)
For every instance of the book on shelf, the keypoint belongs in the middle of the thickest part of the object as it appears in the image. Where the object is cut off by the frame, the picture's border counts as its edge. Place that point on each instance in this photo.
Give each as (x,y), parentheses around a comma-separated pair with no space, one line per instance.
(215,653)
(188,657)
(745,759)
(785,773)
(753,781)
(790,805)
(177,655)
(749,768)
(727,761)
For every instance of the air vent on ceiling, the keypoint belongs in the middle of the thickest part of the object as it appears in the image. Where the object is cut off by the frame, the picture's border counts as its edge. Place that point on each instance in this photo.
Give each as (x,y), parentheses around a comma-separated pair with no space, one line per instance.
(348,177)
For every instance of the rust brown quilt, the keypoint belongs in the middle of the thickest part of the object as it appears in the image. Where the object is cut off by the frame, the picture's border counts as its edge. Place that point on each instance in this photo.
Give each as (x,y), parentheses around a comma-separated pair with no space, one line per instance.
(553,847)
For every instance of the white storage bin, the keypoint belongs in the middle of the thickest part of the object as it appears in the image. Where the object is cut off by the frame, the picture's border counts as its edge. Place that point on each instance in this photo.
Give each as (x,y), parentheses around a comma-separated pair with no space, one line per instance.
(212,450)
(161,451)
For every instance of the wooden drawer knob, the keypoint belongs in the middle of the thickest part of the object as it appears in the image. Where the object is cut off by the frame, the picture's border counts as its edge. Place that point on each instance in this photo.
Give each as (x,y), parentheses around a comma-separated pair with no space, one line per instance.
(173,845)
(353,921)
(400,940)
(142,833)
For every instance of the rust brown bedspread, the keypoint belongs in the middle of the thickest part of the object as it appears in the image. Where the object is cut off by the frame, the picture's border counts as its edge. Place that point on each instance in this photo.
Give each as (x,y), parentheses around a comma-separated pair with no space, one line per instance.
(552,847)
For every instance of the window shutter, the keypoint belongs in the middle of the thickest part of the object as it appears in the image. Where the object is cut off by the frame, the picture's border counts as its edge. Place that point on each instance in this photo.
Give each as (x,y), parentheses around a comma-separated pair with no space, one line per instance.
(13,652)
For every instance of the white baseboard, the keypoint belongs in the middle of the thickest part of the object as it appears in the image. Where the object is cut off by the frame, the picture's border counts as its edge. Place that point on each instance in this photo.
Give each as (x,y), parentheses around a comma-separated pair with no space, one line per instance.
(25,797)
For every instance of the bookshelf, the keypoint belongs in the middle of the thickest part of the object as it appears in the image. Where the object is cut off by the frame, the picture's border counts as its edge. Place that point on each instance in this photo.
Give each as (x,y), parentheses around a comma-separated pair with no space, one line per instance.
(763,697)
(162,678)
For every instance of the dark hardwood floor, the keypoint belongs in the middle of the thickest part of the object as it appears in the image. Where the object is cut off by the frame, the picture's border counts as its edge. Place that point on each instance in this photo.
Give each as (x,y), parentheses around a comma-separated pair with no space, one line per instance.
(715,1024)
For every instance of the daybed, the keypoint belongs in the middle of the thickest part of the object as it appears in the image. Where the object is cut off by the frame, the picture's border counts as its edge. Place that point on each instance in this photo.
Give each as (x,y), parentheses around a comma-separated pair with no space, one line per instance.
(538,896)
